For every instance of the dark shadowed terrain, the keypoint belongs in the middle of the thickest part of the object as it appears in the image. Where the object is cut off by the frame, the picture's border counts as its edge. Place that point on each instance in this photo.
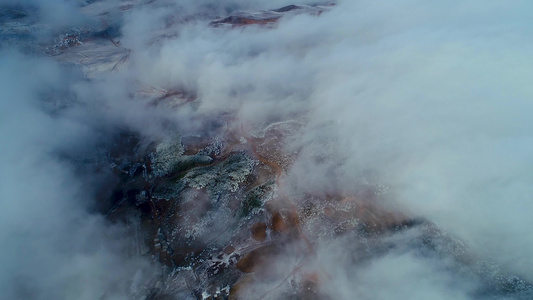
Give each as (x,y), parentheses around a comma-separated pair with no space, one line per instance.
(235,149)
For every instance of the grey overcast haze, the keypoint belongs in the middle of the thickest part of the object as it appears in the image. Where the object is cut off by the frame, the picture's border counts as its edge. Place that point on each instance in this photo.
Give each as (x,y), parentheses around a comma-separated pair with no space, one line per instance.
(232,149)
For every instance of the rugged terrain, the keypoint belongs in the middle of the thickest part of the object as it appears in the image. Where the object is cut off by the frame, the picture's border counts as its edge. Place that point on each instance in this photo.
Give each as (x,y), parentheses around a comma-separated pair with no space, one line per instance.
(216,204)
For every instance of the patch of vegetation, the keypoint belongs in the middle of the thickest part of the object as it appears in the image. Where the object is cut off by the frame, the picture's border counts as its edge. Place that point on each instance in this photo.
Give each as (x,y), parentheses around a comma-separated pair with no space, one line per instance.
(255,199)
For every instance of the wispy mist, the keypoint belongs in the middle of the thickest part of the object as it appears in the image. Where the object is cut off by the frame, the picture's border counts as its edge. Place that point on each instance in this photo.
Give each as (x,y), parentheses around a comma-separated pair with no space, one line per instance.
(427,105)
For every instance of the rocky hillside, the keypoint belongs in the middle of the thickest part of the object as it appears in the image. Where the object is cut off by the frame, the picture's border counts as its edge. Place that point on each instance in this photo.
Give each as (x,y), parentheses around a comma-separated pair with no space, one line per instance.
(214,193)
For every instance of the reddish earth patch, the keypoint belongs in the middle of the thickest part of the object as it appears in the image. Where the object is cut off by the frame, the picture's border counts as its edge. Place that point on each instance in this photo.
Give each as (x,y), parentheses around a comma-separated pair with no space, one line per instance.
(259,232)
(278,224)
(244,21)
(229,249)
(256,259)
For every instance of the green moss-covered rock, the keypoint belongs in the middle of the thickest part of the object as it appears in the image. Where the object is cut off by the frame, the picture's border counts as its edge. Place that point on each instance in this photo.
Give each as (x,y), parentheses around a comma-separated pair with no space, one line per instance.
(223,177)
(255,199)
(166,157)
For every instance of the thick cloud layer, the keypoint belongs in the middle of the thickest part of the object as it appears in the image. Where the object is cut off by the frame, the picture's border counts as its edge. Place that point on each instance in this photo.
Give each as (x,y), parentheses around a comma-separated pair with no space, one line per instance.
(53,248)
(431,101)
(434,98)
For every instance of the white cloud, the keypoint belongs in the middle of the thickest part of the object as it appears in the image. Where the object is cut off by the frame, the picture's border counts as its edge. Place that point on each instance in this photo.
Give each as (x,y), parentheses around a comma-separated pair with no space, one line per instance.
(432,99)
